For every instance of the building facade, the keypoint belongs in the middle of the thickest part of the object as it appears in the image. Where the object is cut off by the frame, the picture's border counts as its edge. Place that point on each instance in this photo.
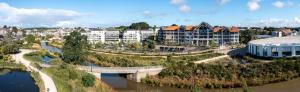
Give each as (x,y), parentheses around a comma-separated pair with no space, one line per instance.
(95,36)
(112,36)
(201,35)
(275,47)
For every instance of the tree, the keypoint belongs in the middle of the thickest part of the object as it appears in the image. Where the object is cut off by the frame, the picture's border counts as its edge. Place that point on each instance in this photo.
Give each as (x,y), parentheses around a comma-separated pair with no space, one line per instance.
(135,46)
(88,80)
(30,38)
(74,48)
(174,25)
(149,43)
(15,29)
(99,45)
(246,36)
(5,26)
(139,26)
(10,48)
(212,44)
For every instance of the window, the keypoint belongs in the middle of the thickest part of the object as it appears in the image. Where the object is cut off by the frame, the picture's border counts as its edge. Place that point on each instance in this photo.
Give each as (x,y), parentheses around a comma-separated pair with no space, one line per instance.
(275,54)
(297,52)
(287,53)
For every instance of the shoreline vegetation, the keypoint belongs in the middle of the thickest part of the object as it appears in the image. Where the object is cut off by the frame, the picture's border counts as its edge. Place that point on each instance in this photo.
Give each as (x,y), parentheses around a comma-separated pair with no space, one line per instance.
(56,44)
(65,76)
(69,79)
(107,60)
(182,75)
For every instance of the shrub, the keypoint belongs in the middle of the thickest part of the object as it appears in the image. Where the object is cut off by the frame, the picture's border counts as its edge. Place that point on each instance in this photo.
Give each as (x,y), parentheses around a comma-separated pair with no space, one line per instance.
(88,80)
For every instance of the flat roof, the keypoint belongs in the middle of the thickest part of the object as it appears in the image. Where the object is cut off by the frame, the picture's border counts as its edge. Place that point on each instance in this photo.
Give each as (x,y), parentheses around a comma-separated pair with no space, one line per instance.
(277,40)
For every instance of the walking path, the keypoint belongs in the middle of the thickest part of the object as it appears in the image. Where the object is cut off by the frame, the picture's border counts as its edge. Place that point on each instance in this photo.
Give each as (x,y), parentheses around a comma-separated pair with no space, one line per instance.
(211,59)
(48,82)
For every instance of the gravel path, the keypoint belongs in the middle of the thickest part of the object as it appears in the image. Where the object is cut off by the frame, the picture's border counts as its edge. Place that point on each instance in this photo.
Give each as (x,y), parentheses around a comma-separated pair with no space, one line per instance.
(47,80)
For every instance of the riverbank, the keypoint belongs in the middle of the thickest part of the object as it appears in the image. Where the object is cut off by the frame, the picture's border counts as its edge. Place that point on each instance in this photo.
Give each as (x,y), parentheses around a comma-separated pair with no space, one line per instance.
(65,76)
(12,66)
(20,67)
(69,79)
(48,82)
(220,76)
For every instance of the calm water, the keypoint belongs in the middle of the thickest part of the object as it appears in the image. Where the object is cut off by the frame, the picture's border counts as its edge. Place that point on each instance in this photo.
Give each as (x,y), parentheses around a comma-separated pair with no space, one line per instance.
(121,84)
(45,45)
(16,81)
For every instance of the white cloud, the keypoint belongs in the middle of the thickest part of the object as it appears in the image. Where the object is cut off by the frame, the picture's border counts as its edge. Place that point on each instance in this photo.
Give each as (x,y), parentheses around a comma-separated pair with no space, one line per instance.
(276,22)
(184,8)
(36,17)
(278,4)
(223,2)
(253,5)
(178,2)
(181,4)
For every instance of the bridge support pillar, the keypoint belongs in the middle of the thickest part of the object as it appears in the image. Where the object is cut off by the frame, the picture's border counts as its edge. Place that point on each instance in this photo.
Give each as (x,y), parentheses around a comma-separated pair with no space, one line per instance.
(137,76)
(97,75)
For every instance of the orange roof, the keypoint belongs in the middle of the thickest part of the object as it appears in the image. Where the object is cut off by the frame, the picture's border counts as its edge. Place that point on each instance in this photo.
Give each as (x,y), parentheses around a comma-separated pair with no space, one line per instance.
(189,28)
(217,29)
(171,28)
(286,31)
(234,29)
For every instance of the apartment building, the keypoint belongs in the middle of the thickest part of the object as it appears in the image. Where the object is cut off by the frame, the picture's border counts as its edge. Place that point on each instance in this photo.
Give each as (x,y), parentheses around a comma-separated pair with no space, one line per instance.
(3,31)
(112,36)
(95,35)
(201,35)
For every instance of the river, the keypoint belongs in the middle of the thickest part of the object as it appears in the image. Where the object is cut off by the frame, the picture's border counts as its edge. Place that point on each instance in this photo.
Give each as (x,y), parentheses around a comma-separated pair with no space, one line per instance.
(121,84)
(16,81)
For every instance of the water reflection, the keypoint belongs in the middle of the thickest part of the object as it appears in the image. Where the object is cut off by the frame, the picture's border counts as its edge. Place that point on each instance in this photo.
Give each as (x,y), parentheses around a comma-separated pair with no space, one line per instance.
(121,84)
(17,81)
(44,45)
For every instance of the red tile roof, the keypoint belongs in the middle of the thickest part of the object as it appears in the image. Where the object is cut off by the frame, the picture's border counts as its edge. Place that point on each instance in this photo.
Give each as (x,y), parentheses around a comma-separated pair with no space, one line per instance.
(234,29)
(189,28)
(171,28)
(217,29)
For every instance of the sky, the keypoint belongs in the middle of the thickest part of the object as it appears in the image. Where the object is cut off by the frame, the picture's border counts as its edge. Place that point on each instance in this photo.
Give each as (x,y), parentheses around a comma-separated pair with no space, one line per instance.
(107,13)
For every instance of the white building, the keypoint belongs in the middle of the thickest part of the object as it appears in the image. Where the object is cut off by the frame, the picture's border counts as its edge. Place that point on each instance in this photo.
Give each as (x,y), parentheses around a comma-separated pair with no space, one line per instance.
(2,31)
(95,36)
(147,33)
(130,36)
(288,46)
(112,36)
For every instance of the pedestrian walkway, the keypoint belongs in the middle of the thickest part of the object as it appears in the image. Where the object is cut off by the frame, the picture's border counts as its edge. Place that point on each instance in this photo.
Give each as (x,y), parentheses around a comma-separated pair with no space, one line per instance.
(48,82)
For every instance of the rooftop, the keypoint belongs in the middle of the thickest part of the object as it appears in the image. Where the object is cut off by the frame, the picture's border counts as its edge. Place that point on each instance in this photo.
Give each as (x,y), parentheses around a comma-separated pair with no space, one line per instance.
(278,40)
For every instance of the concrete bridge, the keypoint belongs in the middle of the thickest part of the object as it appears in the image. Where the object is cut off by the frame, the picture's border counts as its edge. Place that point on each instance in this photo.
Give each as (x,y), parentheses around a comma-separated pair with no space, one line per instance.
(133,73)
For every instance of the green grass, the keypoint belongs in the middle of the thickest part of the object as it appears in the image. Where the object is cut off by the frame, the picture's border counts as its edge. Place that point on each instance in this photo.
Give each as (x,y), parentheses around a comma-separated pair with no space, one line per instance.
(9,65)
(68,79)
(38,81)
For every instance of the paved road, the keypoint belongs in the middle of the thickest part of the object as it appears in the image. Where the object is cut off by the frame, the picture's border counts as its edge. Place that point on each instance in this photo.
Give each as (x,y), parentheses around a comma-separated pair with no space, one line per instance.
(48,82)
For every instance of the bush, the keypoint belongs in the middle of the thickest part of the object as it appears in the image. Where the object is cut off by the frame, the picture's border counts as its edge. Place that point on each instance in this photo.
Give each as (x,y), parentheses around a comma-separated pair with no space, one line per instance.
(88,80)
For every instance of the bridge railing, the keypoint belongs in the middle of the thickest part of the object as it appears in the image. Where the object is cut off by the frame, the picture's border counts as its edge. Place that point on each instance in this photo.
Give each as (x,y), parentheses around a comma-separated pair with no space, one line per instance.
(121,69)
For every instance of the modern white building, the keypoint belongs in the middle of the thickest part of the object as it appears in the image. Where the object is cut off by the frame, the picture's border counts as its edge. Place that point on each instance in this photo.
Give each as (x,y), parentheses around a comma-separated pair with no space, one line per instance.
(277,47)
(95,36)
(112,36)
(2,31)
(130,36)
